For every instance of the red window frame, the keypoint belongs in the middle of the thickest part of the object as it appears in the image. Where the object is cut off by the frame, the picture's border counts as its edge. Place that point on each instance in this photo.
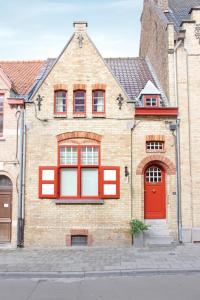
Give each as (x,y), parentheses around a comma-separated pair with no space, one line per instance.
(157,97)
(2,113)
(55,108)
(79,166)
(104,95)
(74,106)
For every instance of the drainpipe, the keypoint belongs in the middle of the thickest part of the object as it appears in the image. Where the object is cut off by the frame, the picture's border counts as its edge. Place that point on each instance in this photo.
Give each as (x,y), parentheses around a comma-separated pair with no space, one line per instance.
(177,142)
(20,223)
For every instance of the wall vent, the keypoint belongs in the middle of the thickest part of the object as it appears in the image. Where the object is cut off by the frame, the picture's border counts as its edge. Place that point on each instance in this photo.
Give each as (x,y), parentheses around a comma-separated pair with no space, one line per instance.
(79,240)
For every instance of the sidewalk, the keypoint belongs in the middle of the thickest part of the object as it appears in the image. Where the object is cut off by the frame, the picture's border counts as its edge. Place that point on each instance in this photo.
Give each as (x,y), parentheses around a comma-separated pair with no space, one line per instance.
(100,261)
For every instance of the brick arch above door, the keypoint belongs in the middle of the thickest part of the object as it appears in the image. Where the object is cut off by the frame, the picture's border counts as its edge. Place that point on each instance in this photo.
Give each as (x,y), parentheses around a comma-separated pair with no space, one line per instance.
(159,159)
(79,134)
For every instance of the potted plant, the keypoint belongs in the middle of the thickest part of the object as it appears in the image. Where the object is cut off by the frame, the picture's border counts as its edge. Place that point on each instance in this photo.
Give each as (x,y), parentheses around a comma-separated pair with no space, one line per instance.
(137,231)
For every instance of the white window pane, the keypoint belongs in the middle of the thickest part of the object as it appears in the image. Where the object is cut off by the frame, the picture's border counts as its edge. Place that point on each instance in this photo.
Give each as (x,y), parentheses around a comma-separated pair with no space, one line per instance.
(68,182)
(47,189)
(68,156)
(110,175)
(48,174)
(89,182)
(110,189)
(89,156)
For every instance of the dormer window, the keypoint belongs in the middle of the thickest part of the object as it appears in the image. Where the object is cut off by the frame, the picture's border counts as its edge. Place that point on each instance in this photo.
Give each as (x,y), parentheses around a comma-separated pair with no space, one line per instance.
(151,100)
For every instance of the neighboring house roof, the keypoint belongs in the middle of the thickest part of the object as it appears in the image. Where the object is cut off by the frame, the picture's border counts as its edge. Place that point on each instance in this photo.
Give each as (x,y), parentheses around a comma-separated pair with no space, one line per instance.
(22,74)
(179,11)
(132,73)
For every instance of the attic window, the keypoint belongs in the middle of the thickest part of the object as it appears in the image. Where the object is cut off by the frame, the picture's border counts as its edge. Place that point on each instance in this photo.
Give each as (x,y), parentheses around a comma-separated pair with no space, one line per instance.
(151,101)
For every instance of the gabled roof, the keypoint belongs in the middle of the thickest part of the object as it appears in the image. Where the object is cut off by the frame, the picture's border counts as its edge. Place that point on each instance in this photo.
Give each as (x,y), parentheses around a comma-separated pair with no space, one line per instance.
(132,73)
(22,74)
(179,11)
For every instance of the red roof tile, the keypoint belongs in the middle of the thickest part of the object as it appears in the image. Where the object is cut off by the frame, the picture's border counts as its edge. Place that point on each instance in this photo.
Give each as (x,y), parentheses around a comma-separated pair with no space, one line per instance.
(22,74)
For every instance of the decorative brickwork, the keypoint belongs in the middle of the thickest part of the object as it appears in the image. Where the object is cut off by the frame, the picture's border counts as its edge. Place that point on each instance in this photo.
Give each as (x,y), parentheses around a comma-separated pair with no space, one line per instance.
(58,87)
(79,134)
(156,138)
(99,86)
(164,161)
(79,87)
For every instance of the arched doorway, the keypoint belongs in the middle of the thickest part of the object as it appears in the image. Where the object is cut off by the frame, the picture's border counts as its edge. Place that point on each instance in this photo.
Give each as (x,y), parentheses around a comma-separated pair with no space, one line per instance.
(154,192)
(5,209)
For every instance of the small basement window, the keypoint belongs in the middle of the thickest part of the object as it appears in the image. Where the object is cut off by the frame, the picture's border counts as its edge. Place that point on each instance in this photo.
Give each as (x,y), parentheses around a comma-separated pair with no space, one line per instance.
(79,240)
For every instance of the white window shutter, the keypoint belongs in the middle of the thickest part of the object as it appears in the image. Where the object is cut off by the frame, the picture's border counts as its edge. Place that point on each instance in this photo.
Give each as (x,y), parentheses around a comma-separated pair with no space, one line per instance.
(110,182)
(48,182)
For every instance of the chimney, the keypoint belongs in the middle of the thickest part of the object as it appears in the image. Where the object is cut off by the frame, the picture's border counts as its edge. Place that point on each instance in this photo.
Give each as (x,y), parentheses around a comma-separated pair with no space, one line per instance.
(80,26)
(163,4)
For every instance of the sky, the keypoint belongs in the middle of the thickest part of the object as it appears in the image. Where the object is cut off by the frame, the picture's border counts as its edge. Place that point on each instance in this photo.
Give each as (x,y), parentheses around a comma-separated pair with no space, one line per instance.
(39,29)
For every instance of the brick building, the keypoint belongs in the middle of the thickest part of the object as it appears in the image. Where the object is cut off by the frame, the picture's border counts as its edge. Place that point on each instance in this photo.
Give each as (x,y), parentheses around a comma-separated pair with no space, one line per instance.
(101,140)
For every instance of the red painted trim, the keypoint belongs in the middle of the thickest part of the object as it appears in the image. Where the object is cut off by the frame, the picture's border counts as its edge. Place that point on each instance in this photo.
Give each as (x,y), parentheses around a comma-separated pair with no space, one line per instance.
(79,166)
(55,111)
(156,111)
(104,96)
(13,101)
(55,182)
(117,182)
(79,113)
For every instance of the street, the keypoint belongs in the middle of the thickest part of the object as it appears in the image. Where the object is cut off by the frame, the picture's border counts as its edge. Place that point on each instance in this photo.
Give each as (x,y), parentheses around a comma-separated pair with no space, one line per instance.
(156,287)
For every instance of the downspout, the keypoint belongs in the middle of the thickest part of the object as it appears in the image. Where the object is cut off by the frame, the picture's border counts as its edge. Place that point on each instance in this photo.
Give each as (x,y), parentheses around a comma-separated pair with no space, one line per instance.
(177,142)
(20,225)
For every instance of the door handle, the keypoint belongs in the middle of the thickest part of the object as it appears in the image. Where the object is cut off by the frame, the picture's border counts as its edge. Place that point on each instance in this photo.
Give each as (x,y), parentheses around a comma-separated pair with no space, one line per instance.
(154,191)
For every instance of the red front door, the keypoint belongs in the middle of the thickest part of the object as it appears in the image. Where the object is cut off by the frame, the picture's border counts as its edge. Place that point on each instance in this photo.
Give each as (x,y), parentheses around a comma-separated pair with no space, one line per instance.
(154,193)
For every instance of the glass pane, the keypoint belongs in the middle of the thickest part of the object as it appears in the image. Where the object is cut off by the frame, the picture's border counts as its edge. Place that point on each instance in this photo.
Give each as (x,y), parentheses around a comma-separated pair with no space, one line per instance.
(153,174)
(89,156)
(61,101)
(98,101)
(68,156)
(79,101)
(89,182)
(68,182)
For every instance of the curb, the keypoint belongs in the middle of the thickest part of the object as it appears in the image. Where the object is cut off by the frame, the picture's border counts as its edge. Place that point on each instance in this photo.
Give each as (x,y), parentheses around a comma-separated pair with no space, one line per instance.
(95,274)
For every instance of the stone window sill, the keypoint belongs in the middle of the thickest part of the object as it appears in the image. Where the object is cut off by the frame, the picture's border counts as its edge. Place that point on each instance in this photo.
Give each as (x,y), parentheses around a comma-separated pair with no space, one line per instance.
(79,116)
(78,201)
(98,115)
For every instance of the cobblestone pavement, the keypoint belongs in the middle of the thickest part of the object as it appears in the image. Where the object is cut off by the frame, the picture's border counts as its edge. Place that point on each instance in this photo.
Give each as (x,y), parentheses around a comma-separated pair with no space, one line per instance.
(181,257)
